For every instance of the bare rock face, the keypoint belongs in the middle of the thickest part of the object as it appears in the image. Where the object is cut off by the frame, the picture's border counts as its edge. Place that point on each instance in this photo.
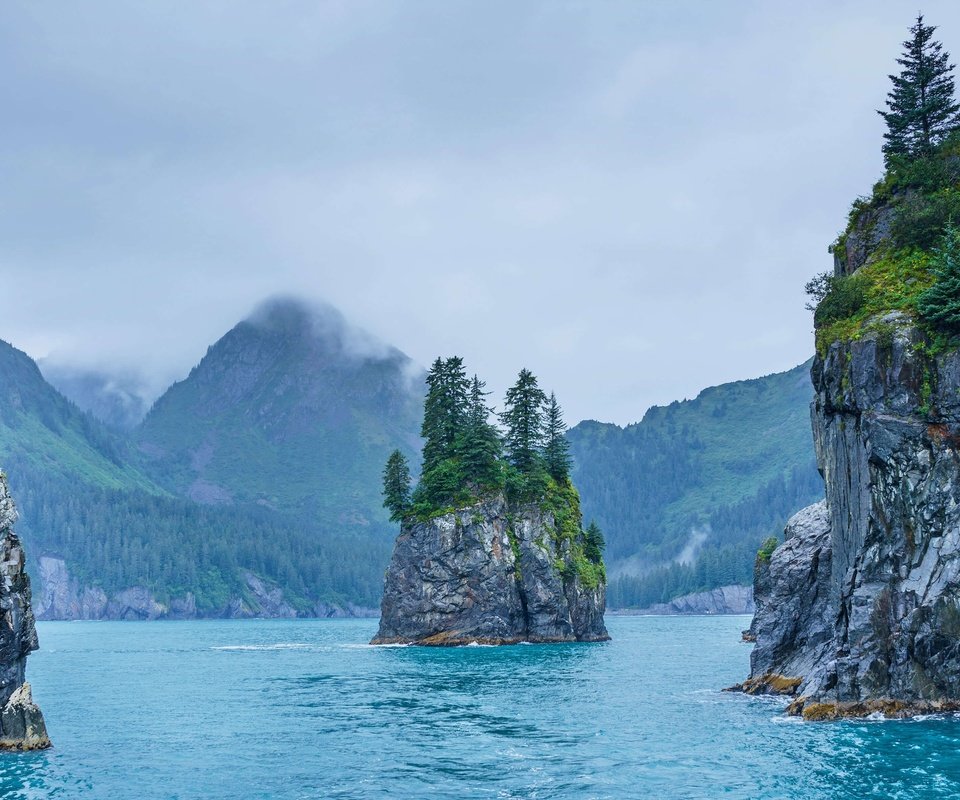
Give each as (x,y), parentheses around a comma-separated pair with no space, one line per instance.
(21,723)
(862,602)
(489,574)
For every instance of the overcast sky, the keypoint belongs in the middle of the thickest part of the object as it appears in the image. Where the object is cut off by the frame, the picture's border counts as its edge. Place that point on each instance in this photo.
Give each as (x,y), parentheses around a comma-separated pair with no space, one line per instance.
(626,197)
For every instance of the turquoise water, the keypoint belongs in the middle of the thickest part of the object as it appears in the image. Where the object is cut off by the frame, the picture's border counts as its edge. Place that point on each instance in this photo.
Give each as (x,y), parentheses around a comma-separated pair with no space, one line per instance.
(304,709)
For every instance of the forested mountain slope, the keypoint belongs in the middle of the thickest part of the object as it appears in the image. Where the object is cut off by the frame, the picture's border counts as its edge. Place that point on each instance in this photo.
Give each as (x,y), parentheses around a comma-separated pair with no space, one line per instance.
(290,410)
(686,496)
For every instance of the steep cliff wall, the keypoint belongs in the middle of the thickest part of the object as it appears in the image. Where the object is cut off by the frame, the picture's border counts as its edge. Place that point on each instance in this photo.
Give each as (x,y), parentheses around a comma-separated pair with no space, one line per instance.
(21,723)
(490,574)
(862,602)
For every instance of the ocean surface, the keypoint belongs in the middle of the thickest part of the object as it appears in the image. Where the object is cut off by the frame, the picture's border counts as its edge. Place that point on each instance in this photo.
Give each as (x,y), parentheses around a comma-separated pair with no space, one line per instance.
(305,709)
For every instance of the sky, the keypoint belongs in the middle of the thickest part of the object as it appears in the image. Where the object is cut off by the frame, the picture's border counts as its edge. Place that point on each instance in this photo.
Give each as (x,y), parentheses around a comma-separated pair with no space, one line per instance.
(625,197)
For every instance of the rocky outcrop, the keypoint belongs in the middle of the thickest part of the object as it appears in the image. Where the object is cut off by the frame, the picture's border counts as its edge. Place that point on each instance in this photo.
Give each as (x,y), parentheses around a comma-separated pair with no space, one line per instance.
(489,574)
(870,230)
(731,599)
(21,723)
(62,597)
(862,601)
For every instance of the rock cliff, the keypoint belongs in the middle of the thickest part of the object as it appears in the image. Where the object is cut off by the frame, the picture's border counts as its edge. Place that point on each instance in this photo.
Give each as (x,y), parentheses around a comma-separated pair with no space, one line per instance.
(21,723)
(61,596)
(491,574)
(730,599)
(860,607)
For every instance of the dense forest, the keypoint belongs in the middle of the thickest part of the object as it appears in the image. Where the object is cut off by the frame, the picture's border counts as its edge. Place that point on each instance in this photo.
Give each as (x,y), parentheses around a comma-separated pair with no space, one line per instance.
(687,495)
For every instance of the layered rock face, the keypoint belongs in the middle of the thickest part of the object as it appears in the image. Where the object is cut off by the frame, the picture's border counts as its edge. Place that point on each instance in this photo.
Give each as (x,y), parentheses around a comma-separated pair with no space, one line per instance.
(21,723)
(861,603)
(489,574)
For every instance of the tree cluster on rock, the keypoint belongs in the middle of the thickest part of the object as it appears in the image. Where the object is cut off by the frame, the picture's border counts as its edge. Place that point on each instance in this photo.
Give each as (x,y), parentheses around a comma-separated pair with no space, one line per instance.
(894,254)
(467,455)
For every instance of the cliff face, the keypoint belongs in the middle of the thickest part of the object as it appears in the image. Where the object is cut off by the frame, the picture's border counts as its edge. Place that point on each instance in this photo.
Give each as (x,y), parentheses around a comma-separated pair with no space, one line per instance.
(61,596)
(21,723)
(490,574)
(862,602)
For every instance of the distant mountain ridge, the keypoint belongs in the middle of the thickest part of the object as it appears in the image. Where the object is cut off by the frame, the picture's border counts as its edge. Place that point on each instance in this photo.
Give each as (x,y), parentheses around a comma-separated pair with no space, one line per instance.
(686,495)
(253,485)
(251,489)
(287,411)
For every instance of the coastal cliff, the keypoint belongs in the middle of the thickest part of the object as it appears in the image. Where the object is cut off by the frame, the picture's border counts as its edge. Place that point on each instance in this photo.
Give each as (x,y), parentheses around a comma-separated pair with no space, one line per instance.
(859,609)
(492,574)
(21,723)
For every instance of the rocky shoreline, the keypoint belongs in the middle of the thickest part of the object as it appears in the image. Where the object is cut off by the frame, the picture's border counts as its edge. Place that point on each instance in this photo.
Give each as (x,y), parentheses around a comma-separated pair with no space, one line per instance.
(61,596)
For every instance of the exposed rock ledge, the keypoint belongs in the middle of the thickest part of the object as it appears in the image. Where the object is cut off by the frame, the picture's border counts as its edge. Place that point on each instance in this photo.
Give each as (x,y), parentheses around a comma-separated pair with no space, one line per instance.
(21,723)
(488,574)
(62,597)
(731,599)
(861,603)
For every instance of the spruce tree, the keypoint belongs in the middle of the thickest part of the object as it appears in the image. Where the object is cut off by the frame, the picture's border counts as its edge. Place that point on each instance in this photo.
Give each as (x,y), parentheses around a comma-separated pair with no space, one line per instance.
(444,410)
(921,107)
(523,418)
(593,543)
(556,451)
(939,306)
(480,446)
(396,486)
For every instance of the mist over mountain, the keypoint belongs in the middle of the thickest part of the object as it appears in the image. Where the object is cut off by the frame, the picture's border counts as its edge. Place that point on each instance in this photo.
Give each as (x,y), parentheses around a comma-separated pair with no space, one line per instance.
(263,467)
(292,409)
(119,400)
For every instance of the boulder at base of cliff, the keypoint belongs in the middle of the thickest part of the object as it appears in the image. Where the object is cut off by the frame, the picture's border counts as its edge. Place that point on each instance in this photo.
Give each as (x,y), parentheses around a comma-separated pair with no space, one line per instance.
(21,723)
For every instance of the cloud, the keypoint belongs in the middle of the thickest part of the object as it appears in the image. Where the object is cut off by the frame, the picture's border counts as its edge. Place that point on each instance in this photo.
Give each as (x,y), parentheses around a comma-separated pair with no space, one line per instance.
(625,197)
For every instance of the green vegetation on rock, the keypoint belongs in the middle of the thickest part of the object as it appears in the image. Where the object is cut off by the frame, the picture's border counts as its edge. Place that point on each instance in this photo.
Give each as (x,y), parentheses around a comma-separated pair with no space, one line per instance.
(466,459)
(895,253)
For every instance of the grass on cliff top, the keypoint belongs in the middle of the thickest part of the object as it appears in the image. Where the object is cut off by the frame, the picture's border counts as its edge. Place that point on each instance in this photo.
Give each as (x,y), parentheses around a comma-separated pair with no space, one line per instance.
(893,281)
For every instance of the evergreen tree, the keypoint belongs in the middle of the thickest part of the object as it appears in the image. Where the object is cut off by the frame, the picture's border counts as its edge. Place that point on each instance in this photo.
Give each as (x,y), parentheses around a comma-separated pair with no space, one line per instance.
(396,486)
(593,543)
(939,306)
(922,110)
(523,419)
(480,446)
(556,451)
(444,410)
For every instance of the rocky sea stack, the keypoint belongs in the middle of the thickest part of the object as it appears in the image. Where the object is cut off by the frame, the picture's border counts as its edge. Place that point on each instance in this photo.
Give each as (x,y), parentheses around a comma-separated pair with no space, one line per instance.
(21,723)
(492,547)
(491,574)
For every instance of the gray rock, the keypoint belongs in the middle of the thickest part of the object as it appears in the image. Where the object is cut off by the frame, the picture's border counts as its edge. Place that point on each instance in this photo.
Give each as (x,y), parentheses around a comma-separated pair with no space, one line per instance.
(793,622)
(489,574)
(21,723)
(871,229)
(863,602)
(731,599)
(135,603)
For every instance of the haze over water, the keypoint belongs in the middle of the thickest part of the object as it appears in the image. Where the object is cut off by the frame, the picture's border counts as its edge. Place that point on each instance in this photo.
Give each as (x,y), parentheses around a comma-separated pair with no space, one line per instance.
(304,709)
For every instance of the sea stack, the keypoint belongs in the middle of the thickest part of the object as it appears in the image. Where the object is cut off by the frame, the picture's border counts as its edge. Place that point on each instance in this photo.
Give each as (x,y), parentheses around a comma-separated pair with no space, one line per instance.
(491,574)
(21,723)
(492,548)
